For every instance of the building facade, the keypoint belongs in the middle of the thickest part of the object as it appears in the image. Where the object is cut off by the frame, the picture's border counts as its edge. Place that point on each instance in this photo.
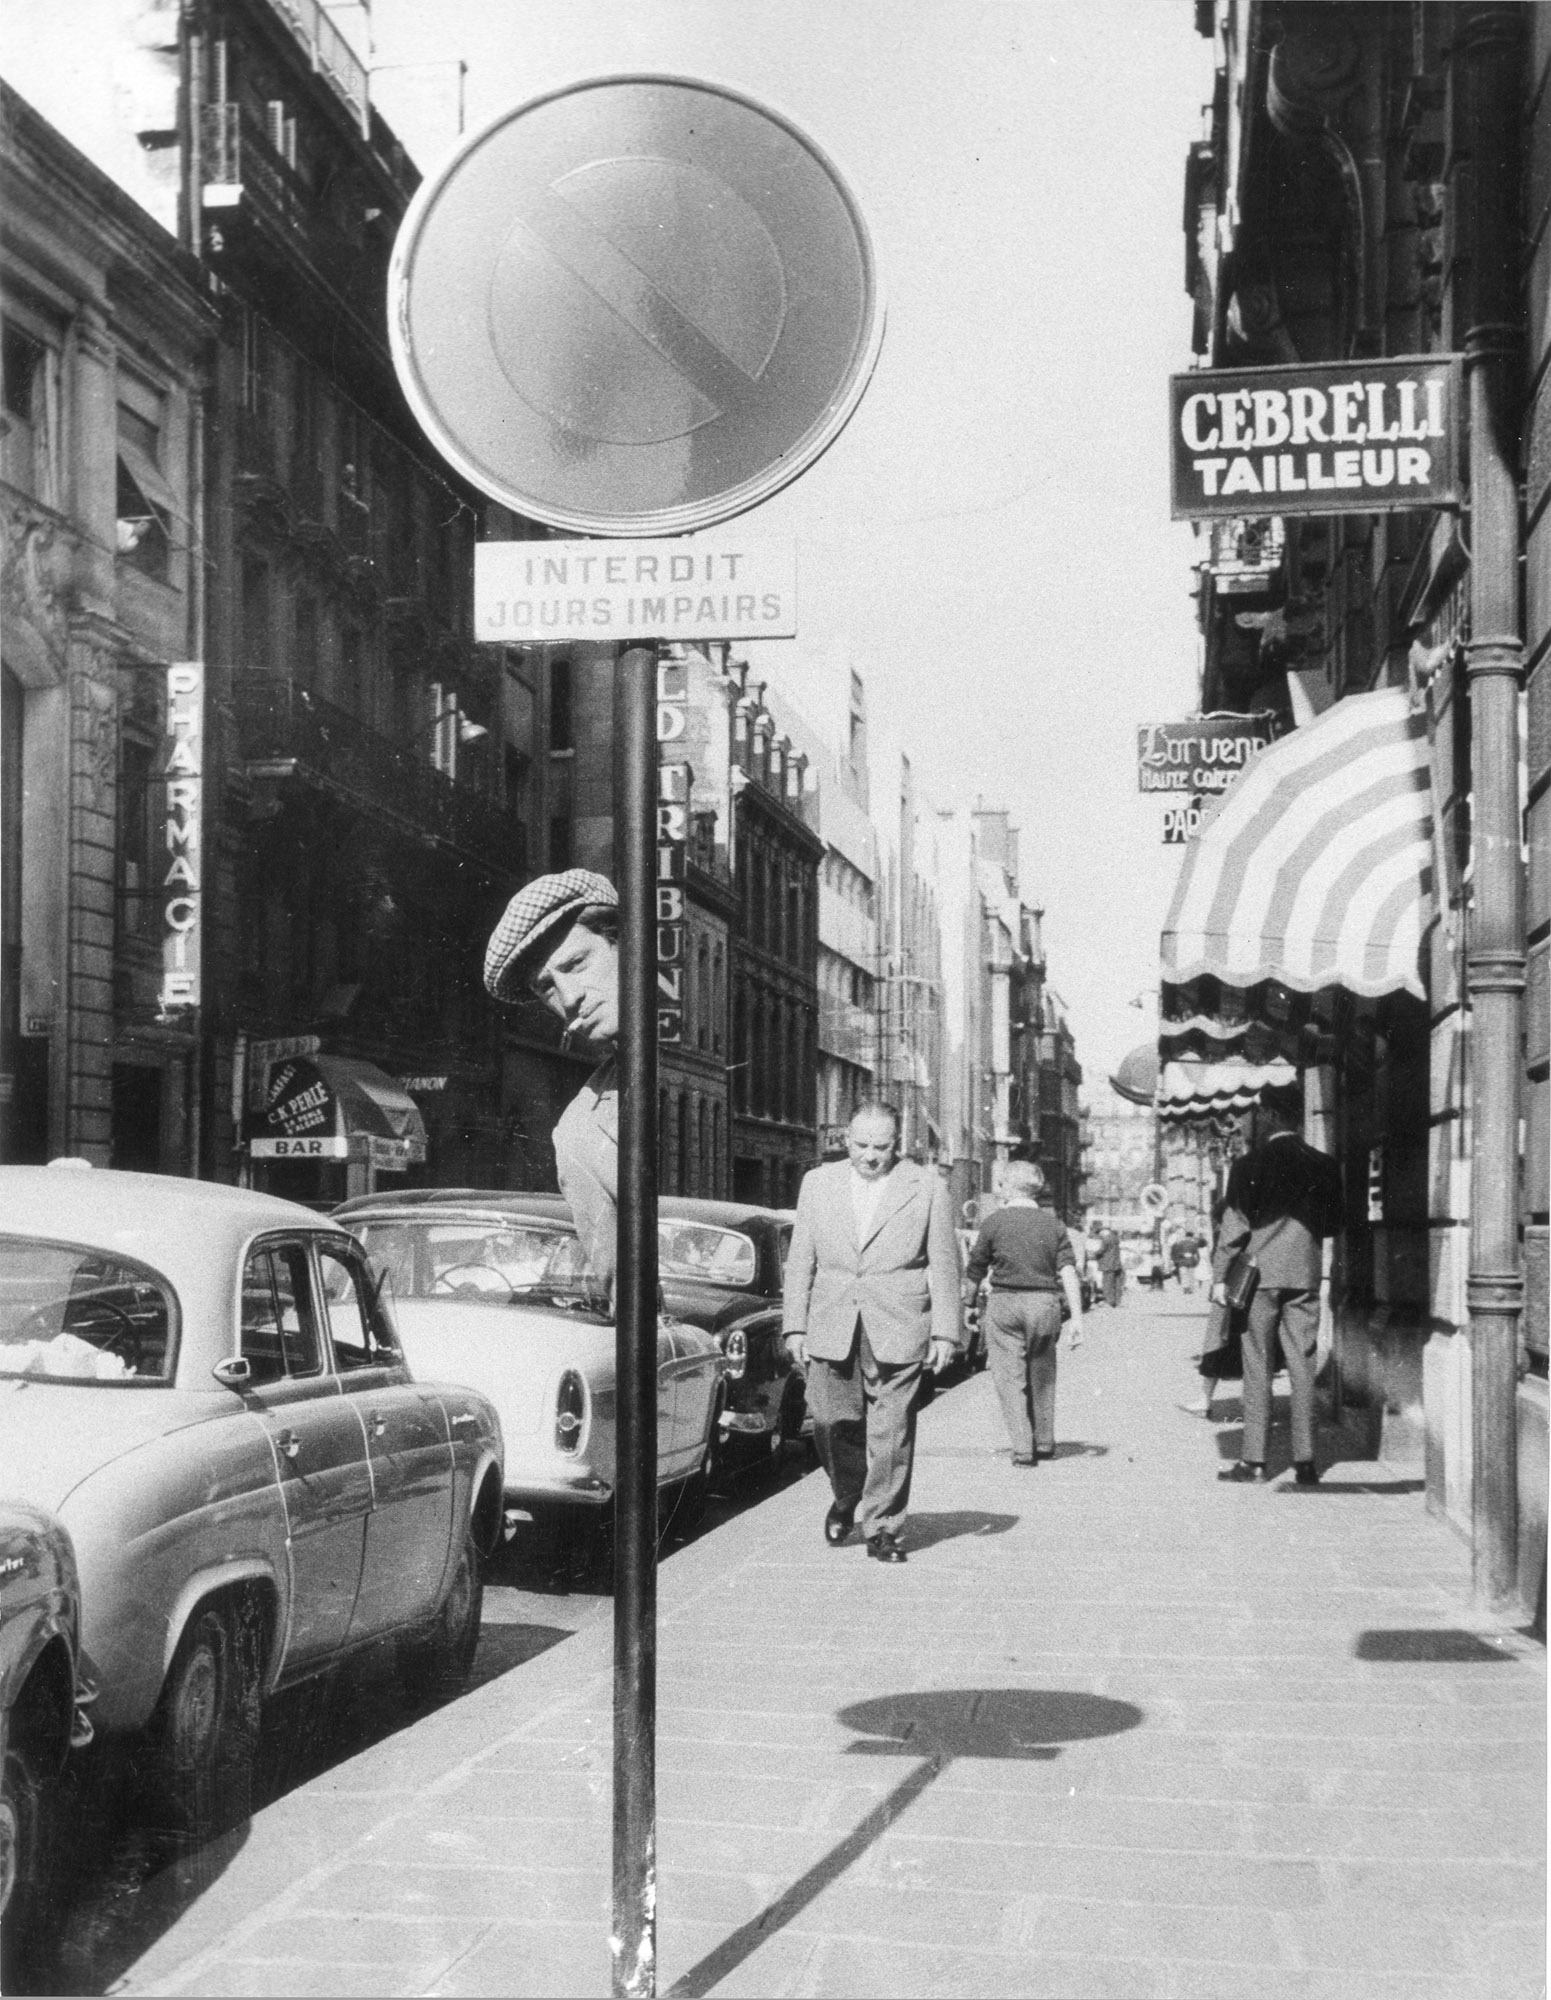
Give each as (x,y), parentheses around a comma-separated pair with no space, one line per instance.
(108,331)
(1373,183)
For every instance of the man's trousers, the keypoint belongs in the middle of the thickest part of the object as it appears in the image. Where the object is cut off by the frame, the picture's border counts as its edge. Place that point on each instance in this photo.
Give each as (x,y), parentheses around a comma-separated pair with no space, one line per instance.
(1022,1329)
(864,1426)
(1291,1318)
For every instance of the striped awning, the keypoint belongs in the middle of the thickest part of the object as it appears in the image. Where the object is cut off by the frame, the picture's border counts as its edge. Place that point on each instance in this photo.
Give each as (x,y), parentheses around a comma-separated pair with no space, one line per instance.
(1189,1090)
(1315,868)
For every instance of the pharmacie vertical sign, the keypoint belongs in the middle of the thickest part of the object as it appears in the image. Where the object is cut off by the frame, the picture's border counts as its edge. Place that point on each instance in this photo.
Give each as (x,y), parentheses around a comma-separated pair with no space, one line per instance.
(183,786)
(673,783)
(1345,437)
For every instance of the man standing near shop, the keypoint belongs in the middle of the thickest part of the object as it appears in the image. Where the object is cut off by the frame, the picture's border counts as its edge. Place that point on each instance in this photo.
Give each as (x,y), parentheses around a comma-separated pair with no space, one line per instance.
(1283,1199)
(558,942)
(872,1297)
(1111,1270)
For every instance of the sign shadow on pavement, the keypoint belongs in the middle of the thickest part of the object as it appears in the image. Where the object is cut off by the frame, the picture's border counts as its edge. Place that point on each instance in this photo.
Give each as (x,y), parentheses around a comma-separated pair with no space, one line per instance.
(937,1726)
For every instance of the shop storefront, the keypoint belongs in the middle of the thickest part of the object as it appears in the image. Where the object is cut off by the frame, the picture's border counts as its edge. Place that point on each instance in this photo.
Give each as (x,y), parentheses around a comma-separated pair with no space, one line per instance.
(327,1127)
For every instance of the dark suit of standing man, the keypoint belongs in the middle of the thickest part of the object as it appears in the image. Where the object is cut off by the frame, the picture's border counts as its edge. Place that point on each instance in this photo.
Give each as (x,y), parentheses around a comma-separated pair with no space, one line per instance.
(872,1297)
(1283,1199)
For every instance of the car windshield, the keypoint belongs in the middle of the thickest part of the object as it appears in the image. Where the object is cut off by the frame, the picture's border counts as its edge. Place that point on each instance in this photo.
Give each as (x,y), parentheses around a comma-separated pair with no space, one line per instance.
(497,1259)
(69,1313)
(700,1250)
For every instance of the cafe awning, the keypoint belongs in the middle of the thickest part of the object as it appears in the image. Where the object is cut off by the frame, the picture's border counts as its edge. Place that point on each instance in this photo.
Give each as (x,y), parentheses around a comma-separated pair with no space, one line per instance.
(1188,1090)
(1315,869)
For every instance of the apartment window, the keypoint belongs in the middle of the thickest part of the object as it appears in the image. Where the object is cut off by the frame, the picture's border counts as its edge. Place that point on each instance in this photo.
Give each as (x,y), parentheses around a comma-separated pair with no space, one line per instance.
(280,130)
(256,612)
(444,729)
(559,841)
(146,504)
(562,724)
(30,426)
(137,851)
(703,995)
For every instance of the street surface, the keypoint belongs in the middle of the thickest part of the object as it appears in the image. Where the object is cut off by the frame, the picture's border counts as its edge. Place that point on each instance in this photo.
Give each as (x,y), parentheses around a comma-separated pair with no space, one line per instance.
(1115,1729)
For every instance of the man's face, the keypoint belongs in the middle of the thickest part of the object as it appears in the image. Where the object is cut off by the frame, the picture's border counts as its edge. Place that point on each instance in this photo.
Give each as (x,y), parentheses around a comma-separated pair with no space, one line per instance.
(579,982)
(872,1141)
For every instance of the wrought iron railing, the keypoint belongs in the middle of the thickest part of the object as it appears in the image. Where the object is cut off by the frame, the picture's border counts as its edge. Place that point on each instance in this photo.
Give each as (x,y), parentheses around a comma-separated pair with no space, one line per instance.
(280,722)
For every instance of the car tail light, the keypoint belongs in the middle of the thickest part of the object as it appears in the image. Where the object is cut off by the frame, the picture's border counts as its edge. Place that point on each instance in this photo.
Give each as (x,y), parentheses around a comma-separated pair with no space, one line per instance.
(735,1354)
(570,1411)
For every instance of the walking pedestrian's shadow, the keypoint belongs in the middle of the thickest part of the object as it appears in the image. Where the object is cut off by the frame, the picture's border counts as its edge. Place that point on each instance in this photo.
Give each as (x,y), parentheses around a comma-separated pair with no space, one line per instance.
(926,1530)
(937,1726)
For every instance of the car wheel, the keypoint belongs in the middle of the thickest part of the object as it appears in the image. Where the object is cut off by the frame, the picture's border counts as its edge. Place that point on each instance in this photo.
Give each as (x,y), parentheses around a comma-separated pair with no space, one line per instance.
(28,1830)
(434,1664)
(206,1725)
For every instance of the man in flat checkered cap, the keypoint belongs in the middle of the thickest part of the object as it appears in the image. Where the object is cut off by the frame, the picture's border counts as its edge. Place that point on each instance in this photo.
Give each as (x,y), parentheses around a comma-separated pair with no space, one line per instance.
(558,941)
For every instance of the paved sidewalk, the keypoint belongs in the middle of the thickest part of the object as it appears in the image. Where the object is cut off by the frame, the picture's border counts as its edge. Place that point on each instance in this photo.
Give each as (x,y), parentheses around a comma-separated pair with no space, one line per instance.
(1115,1729)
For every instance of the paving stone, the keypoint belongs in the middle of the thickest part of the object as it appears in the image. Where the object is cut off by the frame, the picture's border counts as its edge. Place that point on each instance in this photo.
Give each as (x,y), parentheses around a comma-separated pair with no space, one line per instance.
(1308,1784)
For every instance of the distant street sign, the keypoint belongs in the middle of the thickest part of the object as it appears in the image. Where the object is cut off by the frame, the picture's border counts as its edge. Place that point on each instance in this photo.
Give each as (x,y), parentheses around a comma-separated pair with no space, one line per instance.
(634,306)
(674,588)
(1155,1197)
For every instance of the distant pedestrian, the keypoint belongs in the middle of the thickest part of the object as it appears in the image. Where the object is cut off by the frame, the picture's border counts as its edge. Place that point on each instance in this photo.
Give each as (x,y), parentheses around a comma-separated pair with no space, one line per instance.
(1028,1255)
(871,1297)
(1283,1199)
(1111,1269)
(1185,1256)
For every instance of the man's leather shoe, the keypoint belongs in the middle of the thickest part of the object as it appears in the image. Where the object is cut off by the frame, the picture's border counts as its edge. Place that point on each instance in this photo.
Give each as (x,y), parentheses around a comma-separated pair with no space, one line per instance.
(1024,1458)
(837,1525)
(1244,1473)
(884,1548)
(1306,1472)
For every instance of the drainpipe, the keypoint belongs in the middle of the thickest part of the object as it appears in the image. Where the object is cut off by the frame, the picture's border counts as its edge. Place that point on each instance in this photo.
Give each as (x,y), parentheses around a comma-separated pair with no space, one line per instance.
(1487,73)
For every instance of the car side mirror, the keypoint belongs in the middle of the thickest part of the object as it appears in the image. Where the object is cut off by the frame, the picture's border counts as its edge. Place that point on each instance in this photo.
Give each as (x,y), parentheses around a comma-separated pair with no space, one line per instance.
(235,1372)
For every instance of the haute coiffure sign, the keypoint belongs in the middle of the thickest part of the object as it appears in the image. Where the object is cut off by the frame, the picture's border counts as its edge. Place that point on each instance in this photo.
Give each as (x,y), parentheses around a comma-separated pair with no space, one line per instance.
(1336,437)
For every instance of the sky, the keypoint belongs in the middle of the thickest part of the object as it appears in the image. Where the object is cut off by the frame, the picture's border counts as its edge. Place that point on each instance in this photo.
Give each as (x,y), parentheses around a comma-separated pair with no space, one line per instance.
(988,540)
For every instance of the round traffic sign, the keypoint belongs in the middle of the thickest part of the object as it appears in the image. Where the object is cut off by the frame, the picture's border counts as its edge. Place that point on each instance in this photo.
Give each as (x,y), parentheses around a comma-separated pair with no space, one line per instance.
(634,306)
(1155,1197)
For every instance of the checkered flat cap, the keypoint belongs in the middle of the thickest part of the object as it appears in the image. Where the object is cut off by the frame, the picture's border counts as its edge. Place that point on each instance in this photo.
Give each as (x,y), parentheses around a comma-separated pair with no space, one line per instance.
(535,919)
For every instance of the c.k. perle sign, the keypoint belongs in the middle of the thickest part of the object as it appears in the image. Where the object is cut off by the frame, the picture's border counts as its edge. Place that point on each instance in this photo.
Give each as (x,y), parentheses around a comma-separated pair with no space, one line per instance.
(1335,437)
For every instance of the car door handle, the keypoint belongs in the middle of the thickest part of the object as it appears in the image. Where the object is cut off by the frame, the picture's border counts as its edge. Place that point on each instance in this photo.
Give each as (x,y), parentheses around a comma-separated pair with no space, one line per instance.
(288,1443)
(466,1418)
(378,1421)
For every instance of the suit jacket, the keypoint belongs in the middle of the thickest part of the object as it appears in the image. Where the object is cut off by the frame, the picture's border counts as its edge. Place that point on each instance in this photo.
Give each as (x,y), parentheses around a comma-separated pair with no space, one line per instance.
(1283,1197)
(587,1164)
(901,1281)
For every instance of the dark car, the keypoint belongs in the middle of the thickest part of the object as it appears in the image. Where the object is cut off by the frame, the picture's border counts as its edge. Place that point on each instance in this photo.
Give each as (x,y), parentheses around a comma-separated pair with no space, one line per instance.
(43,1693)
(720,1265)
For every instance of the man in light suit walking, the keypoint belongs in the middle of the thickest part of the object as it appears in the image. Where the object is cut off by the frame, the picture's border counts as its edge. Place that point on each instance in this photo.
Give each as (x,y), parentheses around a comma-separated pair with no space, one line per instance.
(872,1297)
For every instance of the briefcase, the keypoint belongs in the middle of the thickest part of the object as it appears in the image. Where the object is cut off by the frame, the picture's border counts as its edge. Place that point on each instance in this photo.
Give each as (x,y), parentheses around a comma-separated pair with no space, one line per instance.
(1240,1279)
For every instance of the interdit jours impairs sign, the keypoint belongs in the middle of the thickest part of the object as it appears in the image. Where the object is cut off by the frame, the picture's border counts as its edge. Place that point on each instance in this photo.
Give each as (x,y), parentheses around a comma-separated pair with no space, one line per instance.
(1384,427)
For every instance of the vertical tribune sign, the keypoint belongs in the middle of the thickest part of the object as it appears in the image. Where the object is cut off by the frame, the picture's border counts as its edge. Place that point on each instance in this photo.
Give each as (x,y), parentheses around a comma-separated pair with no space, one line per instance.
(673,782)
(182,901)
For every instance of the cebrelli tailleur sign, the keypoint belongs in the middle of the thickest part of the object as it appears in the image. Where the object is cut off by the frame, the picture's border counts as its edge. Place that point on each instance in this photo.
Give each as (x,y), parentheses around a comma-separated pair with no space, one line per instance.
(1338,437)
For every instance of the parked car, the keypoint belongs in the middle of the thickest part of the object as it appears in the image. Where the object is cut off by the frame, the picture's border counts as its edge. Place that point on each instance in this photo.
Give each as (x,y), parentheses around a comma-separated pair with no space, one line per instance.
(721,1266)
(43,1699)
(203,1384)
(492,1288)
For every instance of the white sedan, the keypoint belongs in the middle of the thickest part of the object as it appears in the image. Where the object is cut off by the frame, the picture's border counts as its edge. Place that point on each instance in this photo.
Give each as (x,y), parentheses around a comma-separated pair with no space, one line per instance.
(492,1289)
(203,1385)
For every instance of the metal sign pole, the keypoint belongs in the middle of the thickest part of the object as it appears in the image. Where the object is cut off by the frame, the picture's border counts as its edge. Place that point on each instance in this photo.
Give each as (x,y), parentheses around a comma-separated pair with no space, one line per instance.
(633,1939)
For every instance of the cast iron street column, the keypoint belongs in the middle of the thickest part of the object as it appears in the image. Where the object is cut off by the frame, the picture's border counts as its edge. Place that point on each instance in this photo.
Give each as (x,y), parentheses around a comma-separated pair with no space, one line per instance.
(1487,71)
(633,1939)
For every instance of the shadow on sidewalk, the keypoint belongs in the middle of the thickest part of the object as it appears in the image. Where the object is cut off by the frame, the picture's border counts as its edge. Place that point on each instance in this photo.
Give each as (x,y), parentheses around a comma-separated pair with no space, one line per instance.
(927,1530)
(938,1726)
